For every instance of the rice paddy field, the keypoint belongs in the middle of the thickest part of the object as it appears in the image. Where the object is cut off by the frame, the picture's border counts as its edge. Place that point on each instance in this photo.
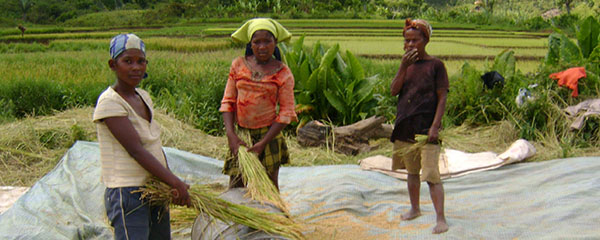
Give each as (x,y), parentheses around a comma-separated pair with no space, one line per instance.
(53,69)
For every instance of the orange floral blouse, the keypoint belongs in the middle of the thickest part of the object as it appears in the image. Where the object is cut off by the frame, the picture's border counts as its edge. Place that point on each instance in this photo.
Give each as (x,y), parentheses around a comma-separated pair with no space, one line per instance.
(254,96)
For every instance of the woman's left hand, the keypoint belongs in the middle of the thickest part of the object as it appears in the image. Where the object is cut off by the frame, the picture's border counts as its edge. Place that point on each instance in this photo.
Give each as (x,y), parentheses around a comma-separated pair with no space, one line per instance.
(433,135)
(258,148)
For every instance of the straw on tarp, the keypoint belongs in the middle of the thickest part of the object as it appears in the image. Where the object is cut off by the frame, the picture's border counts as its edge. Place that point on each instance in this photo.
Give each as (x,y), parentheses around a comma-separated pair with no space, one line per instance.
(205,200)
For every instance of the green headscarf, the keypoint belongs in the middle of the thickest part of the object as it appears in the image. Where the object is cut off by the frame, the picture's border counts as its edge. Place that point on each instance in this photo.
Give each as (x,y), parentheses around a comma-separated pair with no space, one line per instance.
(245,32)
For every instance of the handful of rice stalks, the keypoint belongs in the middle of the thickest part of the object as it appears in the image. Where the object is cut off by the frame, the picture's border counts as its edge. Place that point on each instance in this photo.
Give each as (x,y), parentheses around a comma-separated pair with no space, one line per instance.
(259,185)
(468,139)
(421,140)
(205,200)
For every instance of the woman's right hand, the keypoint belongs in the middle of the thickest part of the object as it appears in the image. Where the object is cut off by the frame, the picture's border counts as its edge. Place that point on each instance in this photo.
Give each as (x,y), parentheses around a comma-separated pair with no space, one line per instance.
(409,57)
(234,143)
(181,196)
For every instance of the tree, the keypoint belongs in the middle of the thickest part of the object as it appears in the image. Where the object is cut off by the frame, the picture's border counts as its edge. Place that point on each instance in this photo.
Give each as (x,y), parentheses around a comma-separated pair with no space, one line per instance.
(404,8)
(567,4)
(489,5)
(25,6)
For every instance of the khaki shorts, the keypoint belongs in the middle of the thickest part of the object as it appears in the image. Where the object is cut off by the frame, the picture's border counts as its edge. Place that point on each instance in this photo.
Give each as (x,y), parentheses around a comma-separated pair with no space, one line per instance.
(427,160)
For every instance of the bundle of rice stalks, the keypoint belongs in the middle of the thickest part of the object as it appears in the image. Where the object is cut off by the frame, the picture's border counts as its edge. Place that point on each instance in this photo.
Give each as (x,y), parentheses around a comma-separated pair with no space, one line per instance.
(468,139)
(259,185)
(421,140)
(205,200)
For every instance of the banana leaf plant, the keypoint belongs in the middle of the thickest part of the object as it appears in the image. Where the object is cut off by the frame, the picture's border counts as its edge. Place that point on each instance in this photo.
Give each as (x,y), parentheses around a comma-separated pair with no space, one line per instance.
(329,86)
(565,52)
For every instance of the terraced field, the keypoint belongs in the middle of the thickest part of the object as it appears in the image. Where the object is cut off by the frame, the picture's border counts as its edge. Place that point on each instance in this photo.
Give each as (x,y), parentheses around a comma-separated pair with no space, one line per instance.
(185,57)
(372,39)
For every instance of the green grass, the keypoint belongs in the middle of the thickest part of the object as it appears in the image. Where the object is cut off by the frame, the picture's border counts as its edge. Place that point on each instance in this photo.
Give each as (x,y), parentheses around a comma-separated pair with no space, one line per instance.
(53,36)
(48,29)
(397,31)
(189,84)
(496,42)
(152,43)
(383,23)
(395,46)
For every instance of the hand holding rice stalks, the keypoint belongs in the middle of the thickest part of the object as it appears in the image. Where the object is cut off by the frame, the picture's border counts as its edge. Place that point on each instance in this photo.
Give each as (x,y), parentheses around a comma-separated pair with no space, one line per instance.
(467,139)
(205,200)
(259,185)
(420,139)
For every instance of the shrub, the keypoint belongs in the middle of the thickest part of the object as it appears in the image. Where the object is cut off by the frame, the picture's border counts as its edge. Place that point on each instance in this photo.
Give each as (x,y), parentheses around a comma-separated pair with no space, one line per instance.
(33,96)
(115,19)
(535,23)
(329,86)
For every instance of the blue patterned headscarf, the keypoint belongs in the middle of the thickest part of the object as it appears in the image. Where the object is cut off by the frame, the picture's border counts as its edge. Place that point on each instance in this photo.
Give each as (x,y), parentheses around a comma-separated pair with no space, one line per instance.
(122,42)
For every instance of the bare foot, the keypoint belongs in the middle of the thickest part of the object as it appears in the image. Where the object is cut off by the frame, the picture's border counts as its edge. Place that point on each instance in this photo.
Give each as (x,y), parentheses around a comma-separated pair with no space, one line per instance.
(410,215)
(441,227)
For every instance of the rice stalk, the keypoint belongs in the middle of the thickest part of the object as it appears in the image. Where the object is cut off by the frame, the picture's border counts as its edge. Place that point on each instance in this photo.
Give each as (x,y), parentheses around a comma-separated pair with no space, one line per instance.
(255,178)
(420,141)
(206,201)
(25,153)
(468,139)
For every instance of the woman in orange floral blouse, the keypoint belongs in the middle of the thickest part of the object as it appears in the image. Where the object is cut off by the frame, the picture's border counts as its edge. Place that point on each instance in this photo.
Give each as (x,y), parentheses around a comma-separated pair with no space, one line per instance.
(259,96)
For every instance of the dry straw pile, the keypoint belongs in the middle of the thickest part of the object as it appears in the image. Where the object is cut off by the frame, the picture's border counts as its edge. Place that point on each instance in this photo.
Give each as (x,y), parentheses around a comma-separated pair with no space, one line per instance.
(31,147)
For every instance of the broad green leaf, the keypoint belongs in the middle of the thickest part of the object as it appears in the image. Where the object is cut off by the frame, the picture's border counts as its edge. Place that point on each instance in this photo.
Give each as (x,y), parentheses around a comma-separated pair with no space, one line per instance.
(322,79)
(321,50)
(315,51)
(587,35)
(303,97)
(301,57)
(313,63)
(335,101)
(329,56)
(365,90)
(504,63)
(284,48)
(312,83)
(569,52)
(341,66)
(334,82)
(299,44)
(553,54)
(291,61)
(303,74)
(348,93)
(357,70)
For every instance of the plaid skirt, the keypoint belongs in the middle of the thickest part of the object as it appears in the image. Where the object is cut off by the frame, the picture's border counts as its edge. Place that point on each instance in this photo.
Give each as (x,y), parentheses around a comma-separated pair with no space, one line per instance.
(274,155)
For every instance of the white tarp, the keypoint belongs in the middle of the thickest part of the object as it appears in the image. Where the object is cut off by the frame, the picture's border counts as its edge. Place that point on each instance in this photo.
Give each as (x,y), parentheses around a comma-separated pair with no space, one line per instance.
(454,163)
(556,199)
(8,196)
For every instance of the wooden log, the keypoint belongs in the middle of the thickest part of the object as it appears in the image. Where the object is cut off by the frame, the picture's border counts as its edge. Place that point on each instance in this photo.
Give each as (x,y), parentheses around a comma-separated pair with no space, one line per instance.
(351,139)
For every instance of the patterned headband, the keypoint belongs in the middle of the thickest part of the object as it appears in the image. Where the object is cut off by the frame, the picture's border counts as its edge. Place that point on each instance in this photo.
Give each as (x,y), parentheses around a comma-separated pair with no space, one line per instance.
(122,42)
(420,25)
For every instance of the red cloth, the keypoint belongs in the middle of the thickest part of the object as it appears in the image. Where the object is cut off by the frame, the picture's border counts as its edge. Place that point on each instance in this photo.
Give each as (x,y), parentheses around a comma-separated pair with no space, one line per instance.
(569,78)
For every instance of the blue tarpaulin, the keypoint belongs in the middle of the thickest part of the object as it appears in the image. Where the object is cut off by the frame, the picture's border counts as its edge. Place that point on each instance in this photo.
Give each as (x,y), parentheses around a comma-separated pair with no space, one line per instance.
(556,199)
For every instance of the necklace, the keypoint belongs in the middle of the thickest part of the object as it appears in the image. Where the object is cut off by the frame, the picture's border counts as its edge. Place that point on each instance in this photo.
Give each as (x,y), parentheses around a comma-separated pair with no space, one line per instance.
(257,74)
